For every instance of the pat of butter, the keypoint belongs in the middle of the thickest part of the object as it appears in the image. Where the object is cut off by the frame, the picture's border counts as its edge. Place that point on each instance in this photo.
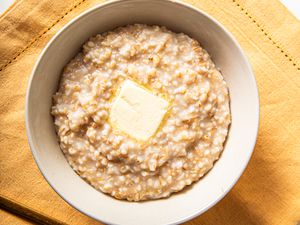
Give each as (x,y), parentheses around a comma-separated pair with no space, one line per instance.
(136,111)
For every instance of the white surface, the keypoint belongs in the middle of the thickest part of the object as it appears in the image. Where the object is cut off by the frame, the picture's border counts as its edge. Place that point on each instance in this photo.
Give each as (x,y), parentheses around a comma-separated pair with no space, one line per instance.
(188,203)
(293,6)
(137,112)
(4,4)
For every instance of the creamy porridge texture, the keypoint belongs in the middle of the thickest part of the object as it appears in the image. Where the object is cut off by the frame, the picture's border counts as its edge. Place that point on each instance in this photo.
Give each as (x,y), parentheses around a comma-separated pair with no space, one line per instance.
(187,139)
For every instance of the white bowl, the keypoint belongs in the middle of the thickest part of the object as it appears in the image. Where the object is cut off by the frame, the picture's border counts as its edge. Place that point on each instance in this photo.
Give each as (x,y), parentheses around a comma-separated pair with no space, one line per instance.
(227,55)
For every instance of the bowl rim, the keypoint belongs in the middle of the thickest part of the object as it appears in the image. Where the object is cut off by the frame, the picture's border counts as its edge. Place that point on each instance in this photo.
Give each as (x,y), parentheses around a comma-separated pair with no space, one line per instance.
(115,2)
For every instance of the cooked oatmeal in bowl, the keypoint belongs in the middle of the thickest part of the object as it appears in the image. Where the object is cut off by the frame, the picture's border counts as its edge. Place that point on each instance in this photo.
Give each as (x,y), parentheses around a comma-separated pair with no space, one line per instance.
(141,112)
(137,118)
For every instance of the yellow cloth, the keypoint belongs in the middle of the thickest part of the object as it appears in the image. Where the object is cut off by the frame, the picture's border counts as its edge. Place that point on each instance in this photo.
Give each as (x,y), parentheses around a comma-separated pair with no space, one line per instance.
(7,218)
(269,190)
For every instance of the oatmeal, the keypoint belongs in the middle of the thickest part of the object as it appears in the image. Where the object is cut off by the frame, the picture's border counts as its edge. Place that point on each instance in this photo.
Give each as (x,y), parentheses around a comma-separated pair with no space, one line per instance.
(160,155)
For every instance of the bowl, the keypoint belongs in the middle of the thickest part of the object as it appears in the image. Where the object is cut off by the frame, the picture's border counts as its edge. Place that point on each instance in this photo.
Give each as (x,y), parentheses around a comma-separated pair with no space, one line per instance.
(227,55)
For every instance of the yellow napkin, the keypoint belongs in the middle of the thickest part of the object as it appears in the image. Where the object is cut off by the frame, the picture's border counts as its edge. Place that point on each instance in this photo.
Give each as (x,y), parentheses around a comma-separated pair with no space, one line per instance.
(7,218)
(269,190)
